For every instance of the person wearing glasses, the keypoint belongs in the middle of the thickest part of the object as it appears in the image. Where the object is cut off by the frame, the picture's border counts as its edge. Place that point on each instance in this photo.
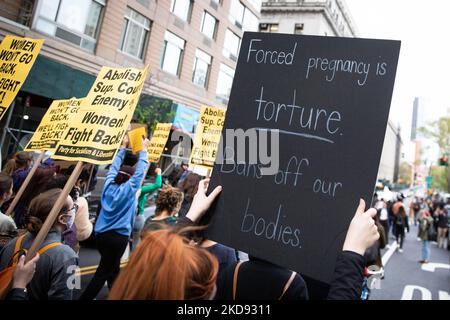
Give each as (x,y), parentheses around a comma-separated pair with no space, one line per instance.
(57,262)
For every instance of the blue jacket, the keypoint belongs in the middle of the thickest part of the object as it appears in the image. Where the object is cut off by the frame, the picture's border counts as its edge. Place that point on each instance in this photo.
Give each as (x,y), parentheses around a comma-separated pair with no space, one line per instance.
(119,202)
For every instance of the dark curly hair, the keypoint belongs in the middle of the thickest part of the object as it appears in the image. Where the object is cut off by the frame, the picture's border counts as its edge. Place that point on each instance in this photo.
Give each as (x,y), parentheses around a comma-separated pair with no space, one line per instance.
(169,198)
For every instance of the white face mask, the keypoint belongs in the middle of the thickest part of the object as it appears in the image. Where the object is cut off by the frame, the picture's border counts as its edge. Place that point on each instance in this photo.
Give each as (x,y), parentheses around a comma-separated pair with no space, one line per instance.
(69,223)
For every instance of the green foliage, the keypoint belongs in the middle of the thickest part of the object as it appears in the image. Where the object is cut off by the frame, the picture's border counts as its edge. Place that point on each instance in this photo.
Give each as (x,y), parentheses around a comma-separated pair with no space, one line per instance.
(439,175)
(405,173)
(439,131)
(151,110)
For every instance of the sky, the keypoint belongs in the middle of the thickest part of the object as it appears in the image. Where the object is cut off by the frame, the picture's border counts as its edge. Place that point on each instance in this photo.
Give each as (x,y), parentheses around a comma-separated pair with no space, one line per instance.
(423,71)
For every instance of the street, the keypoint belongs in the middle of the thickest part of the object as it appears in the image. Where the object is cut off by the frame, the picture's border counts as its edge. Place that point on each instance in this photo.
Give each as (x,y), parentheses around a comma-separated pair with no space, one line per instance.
(406,279)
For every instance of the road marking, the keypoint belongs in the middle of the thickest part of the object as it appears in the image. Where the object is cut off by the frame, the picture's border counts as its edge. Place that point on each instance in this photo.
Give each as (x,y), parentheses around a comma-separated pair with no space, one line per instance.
(443,295)
(92,269)
(387,255)
(408,292)
(431,266)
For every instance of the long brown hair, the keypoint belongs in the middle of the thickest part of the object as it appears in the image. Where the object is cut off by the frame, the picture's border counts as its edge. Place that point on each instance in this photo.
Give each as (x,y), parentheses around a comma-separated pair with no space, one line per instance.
(39,209)
(166,267)
(189,186)
(5,183)
(401,212)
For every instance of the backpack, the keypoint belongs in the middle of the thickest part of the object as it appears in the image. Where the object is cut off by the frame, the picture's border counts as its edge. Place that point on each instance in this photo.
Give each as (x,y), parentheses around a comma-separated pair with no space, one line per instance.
(399,221)
(235,278)
(6,275)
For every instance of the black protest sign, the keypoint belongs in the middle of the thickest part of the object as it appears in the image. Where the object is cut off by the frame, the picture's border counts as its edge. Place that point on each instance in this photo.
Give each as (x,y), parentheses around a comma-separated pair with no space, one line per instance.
(329,99)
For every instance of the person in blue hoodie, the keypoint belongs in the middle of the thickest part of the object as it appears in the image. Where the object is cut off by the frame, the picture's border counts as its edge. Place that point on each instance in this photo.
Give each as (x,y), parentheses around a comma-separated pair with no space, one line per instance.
(115,222)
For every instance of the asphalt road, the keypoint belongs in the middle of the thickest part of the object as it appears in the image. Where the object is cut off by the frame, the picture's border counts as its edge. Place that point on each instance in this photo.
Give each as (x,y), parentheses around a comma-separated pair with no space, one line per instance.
(407,279)
(89,259)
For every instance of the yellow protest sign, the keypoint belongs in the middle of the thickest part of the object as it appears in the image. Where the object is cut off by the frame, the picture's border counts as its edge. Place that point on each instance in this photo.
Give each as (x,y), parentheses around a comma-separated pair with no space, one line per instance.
(17,56)
(135,137)
(53,124)
(207,137)
(96,131)
(158,141)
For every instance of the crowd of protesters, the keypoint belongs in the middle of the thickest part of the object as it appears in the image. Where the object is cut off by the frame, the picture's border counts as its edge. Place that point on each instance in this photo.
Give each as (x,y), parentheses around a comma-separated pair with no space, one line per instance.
(429,214)
(171,237)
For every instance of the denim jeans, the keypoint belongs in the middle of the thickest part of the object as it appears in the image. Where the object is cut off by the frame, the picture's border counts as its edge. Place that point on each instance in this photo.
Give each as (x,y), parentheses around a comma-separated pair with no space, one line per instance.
(425,250)
(139,221)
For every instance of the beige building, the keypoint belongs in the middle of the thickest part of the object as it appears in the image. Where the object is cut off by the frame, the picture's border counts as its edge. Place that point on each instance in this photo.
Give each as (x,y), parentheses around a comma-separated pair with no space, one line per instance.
(328,18)
(310,17)
(191,48)
(391,154)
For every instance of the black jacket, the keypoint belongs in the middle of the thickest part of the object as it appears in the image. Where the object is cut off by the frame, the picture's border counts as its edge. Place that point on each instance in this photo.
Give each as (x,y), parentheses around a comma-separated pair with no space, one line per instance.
(260,280)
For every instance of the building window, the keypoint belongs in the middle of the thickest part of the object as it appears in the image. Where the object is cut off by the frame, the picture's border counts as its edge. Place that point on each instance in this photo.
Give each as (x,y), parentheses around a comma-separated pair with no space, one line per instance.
(209,25)
(231,45)
(182,9)
(202,66)
(135,34)
(250,22)
(298,29)
(237,12)
(224,82)
(268,27)
(242,16)
(172,53)
(74,21)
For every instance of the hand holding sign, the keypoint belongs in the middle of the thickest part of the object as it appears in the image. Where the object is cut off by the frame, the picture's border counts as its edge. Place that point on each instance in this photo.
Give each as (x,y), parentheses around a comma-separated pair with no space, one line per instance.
(362,232)
(202,202)
(135,137)
(24,272)
(145,143)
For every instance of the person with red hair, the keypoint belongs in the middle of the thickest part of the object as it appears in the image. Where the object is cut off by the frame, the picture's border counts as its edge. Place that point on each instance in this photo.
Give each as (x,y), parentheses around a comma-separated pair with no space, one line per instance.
(167,265)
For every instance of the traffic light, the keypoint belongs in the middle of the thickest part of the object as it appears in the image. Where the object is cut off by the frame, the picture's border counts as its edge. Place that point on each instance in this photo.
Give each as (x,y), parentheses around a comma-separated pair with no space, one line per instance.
(443,161)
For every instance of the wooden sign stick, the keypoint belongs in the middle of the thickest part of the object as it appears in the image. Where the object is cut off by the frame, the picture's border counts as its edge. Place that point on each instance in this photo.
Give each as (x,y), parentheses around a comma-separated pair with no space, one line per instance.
(54,212)
(25,184)
(90,178)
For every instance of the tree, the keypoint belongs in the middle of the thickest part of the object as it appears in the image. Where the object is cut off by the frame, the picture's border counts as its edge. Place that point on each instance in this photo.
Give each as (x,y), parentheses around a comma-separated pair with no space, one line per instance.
(439,132)
(151,110)
(405,172)
(439,175)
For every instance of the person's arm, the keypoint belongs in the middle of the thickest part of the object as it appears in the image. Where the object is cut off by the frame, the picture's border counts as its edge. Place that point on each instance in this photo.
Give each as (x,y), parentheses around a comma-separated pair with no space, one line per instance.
(202,202)
(348,275)
(23,274)
(17,294)
(153,186)
(142,165)
(136,179)
(115,166)
(82,222)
